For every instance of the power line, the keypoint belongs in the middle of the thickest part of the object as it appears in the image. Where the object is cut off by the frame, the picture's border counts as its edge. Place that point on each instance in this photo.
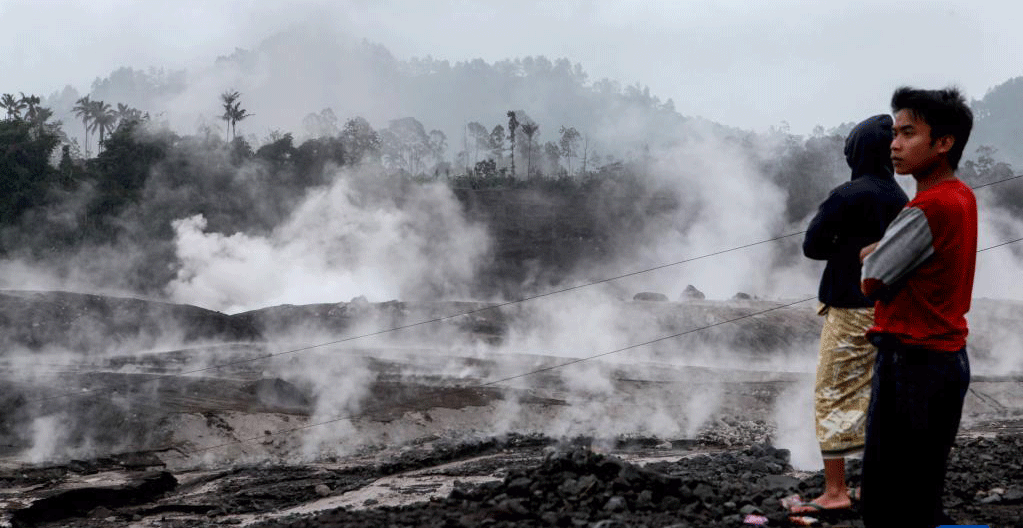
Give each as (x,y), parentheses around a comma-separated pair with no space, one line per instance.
(524,374)
(1001,244)
(540,370)
(497,305)
(416,324)
(453,316)
(997,181)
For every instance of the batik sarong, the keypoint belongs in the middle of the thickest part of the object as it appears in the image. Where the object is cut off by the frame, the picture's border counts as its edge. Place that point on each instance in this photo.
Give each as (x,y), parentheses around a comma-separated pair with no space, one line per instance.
(842,390)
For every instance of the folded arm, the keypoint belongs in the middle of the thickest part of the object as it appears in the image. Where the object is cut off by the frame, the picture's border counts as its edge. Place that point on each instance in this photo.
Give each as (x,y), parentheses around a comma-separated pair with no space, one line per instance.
(907,243)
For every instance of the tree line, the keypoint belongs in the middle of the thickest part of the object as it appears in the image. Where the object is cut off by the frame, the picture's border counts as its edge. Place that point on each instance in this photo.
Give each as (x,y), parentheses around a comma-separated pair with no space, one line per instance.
(55,200)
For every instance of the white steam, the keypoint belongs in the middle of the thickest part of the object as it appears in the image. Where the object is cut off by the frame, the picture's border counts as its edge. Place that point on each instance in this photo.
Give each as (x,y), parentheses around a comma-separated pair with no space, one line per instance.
(997,267)
(354,238)
(726,201)
(794,421)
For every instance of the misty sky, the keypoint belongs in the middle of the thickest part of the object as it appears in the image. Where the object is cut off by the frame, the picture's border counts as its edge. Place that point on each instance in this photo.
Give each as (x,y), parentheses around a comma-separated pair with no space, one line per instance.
(741,63)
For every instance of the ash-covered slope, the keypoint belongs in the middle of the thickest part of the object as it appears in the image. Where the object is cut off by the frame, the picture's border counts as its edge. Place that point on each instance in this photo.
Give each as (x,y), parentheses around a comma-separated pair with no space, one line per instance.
(47,320)
(754,327)
(86,323)
(474,320)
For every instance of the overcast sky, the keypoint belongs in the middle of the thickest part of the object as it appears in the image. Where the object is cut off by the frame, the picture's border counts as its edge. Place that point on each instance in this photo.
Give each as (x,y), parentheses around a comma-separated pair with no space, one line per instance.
(745,63)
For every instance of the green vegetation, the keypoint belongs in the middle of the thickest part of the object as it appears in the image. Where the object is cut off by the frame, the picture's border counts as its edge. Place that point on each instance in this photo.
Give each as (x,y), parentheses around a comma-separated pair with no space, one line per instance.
(555,203)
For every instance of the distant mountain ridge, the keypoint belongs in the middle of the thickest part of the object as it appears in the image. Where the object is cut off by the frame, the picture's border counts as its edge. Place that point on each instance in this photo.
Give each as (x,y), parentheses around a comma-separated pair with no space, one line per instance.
(298,72)
(998,122)
(293,74)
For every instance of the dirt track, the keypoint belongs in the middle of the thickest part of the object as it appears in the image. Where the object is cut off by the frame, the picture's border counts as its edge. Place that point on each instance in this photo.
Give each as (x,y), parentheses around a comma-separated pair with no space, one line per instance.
(283,436)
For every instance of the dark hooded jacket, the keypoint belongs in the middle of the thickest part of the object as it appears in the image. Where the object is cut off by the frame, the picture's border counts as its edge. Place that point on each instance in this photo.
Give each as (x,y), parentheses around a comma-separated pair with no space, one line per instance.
(856,213)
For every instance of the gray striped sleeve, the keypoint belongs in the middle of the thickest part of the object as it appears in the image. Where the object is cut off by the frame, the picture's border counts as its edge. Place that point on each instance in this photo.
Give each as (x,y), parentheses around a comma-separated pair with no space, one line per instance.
(906,244)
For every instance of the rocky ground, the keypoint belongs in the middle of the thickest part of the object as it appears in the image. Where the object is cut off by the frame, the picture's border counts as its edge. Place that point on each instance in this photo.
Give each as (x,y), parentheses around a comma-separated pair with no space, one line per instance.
(231,424)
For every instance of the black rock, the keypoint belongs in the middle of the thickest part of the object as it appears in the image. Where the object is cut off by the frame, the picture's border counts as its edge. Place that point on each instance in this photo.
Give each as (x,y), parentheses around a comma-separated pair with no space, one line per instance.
(704,492)
(519,487)
(616,504)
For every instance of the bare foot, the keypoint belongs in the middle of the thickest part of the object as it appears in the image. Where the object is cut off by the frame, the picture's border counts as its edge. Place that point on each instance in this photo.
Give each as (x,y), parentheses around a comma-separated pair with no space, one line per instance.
(827,501)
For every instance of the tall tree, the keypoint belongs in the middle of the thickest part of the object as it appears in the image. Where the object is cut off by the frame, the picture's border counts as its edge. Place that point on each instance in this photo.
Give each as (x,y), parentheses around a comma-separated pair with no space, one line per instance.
(25,171)
(405,144)
(513,124)
(497,142)
(237,114)
(529,129)
(229,100)
(13,106)
(83,110)
(438,143)
(361,143)
(126,115)
(31,105)
(586,152)
(480,140)
(568,144)
(103,119)
(321,125)
(39,117)
(551,159)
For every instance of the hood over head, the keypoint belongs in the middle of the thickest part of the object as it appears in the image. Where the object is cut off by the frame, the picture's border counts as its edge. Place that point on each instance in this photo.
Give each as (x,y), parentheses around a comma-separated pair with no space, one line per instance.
(868,147)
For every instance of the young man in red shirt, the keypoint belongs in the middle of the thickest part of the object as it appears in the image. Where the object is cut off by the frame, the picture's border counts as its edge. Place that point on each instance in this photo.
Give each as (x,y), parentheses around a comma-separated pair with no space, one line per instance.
(921,276)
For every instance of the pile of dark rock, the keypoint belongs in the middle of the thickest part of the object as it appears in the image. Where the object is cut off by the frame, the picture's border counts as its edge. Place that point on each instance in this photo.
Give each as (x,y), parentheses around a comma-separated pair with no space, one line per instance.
(577,487)
(984,481)
(557,483)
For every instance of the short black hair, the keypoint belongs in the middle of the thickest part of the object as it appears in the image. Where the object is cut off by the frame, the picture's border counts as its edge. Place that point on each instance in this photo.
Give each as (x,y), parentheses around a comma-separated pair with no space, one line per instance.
(945,111)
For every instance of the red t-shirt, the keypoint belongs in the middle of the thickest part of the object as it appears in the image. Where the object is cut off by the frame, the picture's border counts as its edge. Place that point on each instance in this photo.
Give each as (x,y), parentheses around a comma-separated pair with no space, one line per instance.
(922,270)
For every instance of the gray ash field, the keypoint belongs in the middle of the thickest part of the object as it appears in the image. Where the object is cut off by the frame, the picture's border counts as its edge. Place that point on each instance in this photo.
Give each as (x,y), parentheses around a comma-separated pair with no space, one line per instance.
(122,412)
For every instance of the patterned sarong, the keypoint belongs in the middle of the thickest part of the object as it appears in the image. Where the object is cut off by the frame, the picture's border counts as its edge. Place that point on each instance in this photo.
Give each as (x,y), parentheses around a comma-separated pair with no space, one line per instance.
(844,370)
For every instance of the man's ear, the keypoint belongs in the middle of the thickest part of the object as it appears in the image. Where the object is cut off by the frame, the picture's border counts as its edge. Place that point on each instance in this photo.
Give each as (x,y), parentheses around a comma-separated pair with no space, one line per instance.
(945,143)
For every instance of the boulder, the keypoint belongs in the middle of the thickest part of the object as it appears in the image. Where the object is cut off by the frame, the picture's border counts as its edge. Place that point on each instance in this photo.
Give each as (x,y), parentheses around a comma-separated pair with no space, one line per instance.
(691,293)
(650,296)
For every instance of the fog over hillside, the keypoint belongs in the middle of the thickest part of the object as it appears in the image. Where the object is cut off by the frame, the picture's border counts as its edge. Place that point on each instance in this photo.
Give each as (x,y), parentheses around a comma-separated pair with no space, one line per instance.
(353,235)
(310,68)
(311,215)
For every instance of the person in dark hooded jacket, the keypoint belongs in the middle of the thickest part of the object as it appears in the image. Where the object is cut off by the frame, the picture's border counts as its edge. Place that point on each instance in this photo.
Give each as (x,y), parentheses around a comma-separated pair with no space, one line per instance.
(854,215)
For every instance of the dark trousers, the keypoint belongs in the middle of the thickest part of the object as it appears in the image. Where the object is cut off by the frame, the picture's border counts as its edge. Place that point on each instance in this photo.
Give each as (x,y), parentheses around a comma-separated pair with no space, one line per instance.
(916,403)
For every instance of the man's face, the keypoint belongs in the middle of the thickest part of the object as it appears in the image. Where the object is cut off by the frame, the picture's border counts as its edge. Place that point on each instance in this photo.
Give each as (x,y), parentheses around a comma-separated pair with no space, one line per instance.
(913,152)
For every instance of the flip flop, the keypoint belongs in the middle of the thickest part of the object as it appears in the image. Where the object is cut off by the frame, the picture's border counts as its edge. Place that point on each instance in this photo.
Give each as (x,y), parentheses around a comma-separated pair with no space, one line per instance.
(817,509)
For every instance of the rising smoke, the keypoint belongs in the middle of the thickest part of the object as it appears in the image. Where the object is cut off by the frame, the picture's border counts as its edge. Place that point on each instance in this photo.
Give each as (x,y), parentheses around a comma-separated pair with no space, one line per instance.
(363,233)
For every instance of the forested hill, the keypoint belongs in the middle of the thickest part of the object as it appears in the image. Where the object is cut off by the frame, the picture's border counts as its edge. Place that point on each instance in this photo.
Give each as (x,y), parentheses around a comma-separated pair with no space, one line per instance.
(315,160)
(999,122)
(309,83)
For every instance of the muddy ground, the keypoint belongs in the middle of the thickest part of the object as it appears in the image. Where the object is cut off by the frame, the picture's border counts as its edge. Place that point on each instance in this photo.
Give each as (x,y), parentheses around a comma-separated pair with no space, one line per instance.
(121,412)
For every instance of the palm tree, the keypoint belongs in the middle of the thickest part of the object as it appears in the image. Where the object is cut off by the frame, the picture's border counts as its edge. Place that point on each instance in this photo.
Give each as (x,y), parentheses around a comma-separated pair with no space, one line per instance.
(237,114)
(230,108)
(31,102)
(126,115)
(513,123)
(83,110)
(103,119)
(40,116)
(529,129)
(12,105)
